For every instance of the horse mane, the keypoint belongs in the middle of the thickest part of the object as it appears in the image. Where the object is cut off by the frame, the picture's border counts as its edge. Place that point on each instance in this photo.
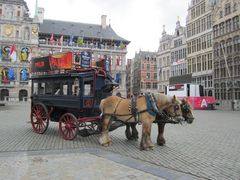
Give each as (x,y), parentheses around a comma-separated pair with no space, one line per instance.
(163,100)
(186,101)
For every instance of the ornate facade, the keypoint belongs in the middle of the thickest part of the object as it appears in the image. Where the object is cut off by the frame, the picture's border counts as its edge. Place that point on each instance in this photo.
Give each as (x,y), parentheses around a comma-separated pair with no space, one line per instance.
(199,44)
(101,40)
(226,46)
(18,42)
(22,37)
(163,60)
(178,51)
(145,72)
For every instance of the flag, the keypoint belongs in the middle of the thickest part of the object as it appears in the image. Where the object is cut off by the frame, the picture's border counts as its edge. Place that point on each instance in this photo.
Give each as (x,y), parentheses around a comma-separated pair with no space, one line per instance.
(118,61)
(0,53)
(4,73)
(13,53)
(30,54)
(11,74)
(52,40)
(24,75)
(70,42)
(60,40)
(118,77)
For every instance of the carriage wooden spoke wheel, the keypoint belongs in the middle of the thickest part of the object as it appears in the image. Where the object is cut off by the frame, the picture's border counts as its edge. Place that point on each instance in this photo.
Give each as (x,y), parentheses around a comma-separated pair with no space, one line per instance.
(39,118)
(68,126)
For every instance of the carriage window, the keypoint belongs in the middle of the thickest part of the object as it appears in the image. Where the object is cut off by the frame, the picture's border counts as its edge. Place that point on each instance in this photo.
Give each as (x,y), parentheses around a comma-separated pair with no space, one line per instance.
(41,88)
(48,88)
(75,87)
(88,88)
(35,88)
(56,88)
(65,88)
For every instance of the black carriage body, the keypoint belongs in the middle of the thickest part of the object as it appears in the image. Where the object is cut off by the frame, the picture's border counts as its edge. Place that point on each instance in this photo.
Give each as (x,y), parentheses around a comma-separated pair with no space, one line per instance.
(69,93)
(73,92)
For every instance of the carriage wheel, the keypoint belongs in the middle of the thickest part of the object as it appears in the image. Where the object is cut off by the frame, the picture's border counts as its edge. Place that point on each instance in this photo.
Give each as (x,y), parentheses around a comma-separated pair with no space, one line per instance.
(39,118)
(68,126)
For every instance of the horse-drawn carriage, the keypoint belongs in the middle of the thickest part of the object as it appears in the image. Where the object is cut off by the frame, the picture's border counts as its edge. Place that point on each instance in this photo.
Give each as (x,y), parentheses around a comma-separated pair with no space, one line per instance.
(75,94)
(68,93)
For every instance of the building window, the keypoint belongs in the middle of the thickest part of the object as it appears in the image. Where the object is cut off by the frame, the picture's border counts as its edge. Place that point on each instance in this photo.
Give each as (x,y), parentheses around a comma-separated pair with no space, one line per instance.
(203,9)
(209,22)
(0,12)
(155,76)
(227,9)
(148,85)
(235,23)
(229,46)
(236,44)
(193,65)
(148,67)
(204,62)
(189,62)
(154,85)
(221,28)
(198,63)
(148,76)
(18,13)
(228,26)
(209,61)
(235,7)
(203,24)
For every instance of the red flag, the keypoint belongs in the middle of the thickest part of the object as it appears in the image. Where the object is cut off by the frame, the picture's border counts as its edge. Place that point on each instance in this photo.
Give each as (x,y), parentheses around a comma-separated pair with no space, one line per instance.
(52,40)
(118,61)
(60,41)
(13,53)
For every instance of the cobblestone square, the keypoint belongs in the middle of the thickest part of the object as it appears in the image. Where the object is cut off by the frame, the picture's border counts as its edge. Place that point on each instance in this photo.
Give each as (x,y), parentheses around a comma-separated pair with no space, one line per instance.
(209,148)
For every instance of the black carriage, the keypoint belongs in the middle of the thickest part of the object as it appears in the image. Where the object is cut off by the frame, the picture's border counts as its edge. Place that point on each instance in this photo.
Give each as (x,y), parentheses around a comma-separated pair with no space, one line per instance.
(69,93)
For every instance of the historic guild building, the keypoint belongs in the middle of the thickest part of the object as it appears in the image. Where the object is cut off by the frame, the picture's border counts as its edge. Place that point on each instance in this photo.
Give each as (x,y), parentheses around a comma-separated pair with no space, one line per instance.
(199,44)
(144,72)
(163,60)
(56,36)
(178,51)
(23,37)
(18,42)
(226,46)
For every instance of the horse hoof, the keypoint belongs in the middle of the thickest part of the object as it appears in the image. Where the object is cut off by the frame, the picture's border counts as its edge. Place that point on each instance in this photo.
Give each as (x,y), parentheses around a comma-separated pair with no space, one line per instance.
(105,145)
(161,143)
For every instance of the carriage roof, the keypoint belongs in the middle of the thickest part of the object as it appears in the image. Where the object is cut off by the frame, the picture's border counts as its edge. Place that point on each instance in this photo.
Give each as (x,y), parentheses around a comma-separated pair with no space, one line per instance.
(62,65)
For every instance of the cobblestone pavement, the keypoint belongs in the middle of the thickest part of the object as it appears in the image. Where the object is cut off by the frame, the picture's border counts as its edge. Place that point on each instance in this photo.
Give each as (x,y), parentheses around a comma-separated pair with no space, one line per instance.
(209,148)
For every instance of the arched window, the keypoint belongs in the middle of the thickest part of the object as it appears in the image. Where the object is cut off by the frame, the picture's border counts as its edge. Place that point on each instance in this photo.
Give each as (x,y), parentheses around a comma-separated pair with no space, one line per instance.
(24,75)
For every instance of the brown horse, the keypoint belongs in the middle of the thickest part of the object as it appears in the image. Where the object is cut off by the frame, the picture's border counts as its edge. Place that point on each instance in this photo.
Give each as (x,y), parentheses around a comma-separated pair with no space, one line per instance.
(117,108)
(161,121)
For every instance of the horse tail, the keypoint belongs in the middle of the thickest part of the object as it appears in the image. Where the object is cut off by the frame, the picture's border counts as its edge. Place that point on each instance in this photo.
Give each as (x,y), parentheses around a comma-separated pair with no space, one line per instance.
(101,107)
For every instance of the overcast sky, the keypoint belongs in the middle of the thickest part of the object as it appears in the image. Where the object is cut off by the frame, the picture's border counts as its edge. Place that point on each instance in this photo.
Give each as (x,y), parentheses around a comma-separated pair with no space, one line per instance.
(139,21)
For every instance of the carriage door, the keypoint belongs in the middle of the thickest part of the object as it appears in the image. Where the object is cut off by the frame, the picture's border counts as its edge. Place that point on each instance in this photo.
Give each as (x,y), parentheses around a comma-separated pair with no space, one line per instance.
(88,93)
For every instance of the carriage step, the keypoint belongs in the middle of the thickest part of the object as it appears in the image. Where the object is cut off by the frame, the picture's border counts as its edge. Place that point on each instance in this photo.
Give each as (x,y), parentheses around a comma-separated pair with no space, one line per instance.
(88,132)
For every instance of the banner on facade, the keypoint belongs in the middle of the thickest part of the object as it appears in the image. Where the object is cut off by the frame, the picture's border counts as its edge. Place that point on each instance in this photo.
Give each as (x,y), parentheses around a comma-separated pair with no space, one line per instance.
(60,61)
(86,58)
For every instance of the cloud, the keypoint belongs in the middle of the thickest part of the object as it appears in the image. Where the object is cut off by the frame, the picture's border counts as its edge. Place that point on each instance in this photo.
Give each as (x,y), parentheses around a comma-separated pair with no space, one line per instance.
(138,21)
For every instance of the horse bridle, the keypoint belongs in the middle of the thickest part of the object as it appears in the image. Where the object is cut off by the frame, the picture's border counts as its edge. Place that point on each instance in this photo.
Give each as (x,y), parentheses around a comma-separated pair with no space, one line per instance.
(176,108)
(185,108)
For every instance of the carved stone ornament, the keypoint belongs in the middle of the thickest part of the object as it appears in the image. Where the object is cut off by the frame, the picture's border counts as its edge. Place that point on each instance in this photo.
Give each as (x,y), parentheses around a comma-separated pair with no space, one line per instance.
(8,30)
(35,30)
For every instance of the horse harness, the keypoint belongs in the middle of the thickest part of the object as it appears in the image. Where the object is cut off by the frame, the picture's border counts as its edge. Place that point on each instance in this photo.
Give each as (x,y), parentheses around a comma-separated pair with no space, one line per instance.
(152,108)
